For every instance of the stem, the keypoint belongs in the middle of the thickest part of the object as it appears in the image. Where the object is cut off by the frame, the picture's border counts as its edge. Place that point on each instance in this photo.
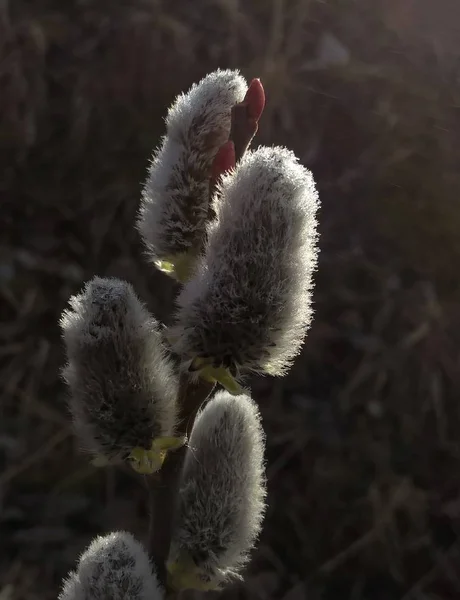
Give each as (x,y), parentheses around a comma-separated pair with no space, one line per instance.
(163,486)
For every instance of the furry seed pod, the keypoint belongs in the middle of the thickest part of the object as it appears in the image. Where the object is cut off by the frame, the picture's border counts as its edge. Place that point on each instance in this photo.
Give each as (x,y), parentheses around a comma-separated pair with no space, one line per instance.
(221,497)
(114,566)
(248,306)
(123,386)
(175,198)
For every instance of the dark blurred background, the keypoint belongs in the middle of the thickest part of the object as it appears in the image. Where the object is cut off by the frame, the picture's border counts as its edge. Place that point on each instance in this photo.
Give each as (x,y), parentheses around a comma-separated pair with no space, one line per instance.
(364,434)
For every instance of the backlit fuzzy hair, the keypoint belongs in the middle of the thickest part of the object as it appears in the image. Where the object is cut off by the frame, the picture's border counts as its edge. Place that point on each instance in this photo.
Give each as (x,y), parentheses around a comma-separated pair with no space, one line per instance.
(222,489)
(114,566)
(123,387)
(175,199)
(248,306)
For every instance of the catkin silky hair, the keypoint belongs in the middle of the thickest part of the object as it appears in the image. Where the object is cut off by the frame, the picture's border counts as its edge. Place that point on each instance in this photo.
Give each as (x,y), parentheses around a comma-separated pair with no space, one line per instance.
(221,496)
(249,306)
(114,566)
(123,389)
(175,199)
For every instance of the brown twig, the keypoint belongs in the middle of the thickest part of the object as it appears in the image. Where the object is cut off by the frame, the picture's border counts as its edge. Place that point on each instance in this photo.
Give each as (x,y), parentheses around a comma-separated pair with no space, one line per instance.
(163,485)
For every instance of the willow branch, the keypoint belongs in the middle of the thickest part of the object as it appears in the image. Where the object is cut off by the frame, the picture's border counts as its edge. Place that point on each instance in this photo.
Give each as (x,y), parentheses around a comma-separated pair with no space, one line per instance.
(163,486)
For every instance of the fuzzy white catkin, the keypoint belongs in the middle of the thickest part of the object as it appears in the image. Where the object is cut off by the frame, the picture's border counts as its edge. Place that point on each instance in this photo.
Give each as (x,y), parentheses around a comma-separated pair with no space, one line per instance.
(123,386)
(115,567)
(175,198)
(222,489)
(249,306)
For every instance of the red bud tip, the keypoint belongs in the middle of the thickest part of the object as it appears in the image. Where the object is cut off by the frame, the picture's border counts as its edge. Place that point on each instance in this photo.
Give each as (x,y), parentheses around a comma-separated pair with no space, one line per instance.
(255,99)
(223,161)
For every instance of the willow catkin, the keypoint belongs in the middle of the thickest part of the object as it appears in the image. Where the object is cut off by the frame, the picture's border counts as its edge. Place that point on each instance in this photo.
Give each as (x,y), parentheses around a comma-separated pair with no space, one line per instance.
(123,389)
(222,494)
(249,305)
(114,566)
(175,199)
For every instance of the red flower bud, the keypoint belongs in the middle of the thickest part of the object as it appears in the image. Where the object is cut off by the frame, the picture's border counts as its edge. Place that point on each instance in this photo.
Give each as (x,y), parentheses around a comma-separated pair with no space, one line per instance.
(223,161)
(255,99)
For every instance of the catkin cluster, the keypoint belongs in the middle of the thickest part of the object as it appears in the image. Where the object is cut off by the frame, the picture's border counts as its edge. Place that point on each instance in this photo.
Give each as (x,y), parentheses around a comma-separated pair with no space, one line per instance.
(238,229)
